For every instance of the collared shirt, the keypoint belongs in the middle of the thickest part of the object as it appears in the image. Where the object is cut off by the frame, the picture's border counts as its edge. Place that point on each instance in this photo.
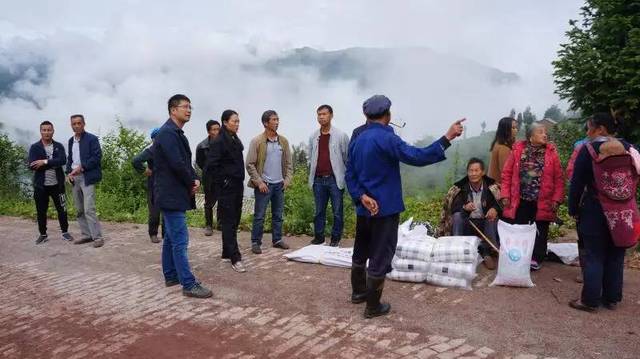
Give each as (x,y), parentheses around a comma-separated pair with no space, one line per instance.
(75,151)
(50,178)
(273,163)
(476,198)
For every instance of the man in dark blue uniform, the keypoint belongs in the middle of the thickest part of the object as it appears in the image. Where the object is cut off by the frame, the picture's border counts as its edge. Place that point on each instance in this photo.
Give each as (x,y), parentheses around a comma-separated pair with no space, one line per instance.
(373,180)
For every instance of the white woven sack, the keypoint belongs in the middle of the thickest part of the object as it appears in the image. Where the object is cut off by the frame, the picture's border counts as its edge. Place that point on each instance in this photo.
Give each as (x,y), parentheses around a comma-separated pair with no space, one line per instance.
(516,248)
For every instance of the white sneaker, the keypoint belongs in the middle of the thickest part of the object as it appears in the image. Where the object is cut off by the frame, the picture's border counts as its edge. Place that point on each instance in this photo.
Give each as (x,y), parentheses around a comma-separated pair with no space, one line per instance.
(239,267)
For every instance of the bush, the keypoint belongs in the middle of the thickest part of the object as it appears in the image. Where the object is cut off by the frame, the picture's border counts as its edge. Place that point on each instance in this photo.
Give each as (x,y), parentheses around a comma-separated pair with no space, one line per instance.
(14,173)
(121,195)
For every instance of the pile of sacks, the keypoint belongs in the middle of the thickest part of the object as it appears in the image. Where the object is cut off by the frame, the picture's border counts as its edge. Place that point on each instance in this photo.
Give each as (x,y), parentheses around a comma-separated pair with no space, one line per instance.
(445,261)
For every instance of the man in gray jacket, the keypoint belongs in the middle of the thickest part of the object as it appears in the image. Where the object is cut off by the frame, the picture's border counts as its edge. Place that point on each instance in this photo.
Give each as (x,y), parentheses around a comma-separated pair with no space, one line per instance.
(328,147)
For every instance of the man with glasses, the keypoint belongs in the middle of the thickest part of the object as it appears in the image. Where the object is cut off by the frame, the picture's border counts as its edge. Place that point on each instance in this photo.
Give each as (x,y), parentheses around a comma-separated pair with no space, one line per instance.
(175,187)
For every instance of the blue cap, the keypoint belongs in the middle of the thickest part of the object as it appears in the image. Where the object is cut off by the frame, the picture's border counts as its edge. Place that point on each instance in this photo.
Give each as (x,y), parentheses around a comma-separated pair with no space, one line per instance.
(376,105)
(154,132)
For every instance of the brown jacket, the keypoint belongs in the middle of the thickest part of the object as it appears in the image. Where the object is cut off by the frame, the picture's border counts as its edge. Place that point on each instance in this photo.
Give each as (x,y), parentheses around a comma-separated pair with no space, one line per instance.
(257,155)
(499,156)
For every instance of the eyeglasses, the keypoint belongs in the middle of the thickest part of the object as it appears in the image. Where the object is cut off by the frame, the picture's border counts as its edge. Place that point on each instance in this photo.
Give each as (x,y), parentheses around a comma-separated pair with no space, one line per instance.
(188,107)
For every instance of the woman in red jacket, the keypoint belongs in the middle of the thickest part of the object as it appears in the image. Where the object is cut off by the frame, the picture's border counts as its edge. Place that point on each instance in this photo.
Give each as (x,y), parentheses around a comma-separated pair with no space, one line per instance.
(533,186)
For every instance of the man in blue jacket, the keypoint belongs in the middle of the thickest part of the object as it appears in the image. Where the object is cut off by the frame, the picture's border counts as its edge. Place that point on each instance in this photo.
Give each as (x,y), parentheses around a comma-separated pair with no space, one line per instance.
(84,172)
(46,159)
(174,191)
(373,180)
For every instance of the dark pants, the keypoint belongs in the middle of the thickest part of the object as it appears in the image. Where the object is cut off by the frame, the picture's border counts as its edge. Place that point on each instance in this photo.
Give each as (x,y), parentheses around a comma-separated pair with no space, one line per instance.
(154,214)
(175,261)
(526,214)
(603,271)
(276,197)
(41,196)
(210,199)
(461,227)
(376,240)
(325,189)
(230,201)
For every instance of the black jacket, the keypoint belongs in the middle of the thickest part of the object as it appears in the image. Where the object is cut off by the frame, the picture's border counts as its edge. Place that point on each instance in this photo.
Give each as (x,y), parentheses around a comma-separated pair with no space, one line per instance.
(464,196)
(225,161)
(173,174)
(57,161)
(146,156)
(202,153)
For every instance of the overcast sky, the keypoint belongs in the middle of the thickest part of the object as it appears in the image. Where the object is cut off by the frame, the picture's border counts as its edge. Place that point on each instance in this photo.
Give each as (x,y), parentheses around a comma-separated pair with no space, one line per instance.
(126,58)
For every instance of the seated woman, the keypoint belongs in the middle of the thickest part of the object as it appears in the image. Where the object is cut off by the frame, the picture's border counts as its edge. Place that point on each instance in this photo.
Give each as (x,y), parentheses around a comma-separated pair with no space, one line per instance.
(473,198)
(533,186)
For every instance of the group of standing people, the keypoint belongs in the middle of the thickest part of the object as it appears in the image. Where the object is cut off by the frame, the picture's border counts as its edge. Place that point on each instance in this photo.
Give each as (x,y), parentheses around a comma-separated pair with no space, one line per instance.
(524,184)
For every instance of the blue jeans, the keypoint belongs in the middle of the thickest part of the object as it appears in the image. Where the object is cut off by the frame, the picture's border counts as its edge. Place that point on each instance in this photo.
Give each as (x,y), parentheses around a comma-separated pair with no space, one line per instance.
(175,263)
(276,197)
(325,188)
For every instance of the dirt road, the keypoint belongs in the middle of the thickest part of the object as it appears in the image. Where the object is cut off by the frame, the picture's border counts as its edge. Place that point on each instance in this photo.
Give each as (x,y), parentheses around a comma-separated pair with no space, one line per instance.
(74,301)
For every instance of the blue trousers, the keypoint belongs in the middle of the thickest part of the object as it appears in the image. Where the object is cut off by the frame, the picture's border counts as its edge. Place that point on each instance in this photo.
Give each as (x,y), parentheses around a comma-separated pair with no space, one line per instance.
(603,270)
(175,263)
(376,240)
(325,189)
(276,197)
(461,227)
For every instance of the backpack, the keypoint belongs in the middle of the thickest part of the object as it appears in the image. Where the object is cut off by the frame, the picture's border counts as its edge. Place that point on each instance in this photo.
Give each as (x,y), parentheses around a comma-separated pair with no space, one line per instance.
(616,181)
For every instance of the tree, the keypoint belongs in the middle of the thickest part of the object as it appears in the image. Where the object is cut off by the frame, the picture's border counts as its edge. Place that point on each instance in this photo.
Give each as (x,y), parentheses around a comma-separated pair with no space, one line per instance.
(483,125)
(512,114)
(597,69)
(300,158)
(519,120)
(528,117)
(555,113)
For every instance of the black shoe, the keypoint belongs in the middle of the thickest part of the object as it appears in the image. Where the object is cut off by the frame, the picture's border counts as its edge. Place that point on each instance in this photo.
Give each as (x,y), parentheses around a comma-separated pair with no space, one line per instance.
(577,304)
(197,291)
(66,236)
(255,248)
(281,244)
(610,305)
(154,239)
(318,240)
(98,243)
(374,291)
(334,243)
(171,282)
(208,231)
(42,238)
(358,285)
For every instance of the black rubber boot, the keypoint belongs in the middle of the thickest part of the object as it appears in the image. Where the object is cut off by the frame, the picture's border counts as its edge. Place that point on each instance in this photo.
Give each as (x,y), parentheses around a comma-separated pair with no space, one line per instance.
(358,284)
(208,217)
(374,291)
